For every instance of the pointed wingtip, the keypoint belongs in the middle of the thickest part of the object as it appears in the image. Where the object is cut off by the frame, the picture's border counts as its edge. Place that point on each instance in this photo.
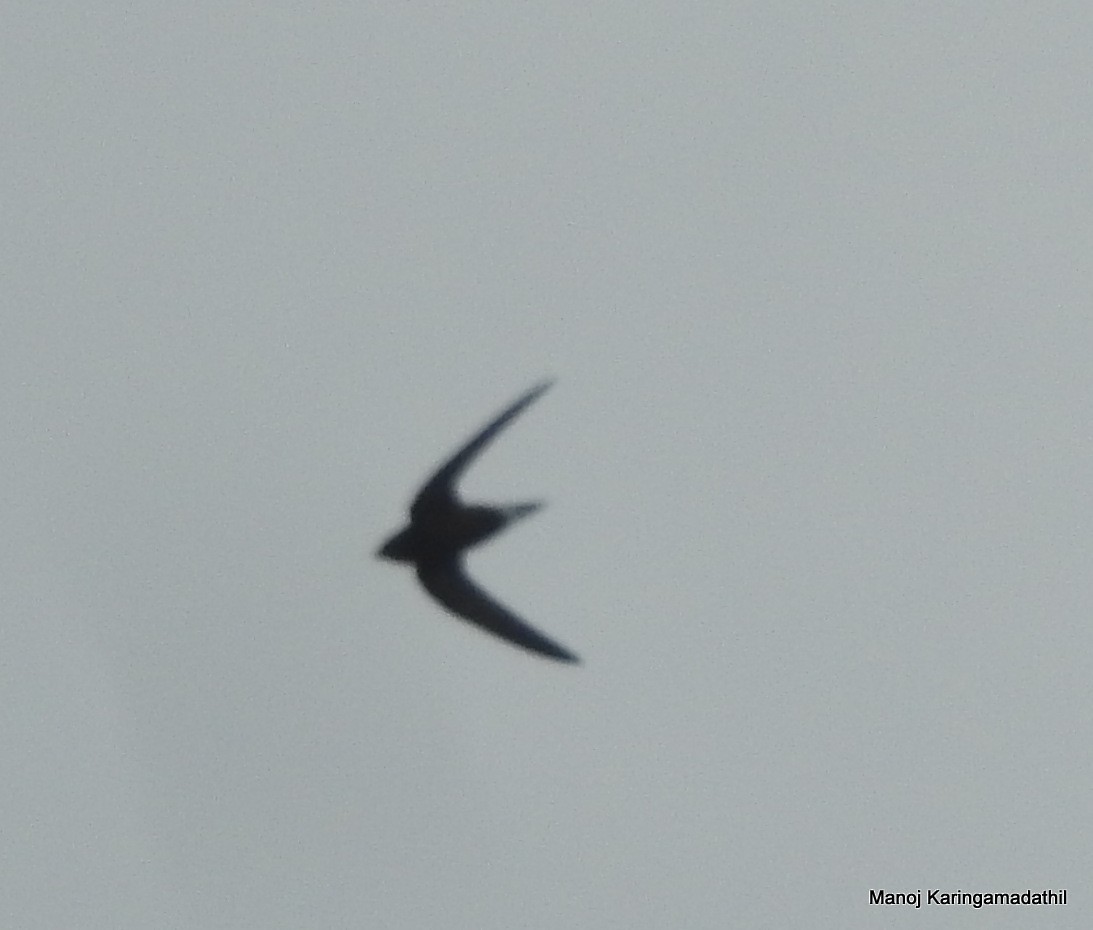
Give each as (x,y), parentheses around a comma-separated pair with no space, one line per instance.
(541,388)
(558,654)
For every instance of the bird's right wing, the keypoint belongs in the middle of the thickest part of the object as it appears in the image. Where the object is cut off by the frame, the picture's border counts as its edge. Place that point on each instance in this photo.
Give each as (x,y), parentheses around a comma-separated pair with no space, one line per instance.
(449,584)
(439,490)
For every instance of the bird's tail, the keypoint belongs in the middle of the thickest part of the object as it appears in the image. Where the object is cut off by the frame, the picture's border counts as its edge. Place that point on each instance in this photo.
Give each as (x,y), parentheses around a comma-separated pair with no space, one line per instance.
(516,511)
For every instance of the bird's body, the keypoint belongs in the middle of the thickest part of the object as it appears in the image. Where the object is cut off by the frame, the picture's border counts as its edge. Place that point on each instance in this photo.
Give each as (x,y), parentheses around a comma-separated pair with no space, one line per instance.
(441,528)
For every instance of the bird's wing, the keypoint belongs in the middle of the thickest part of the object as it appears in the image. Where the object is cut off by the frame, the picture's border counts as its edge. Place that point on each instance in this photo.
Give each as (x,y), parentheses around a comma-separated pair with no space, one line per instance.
(446,581)
(439,490)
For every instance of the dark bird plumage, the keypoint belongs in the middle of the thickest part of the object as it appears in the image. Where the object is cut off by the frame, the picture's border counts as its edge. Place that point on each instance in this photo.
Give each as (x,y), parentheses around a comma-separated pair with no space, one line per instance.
(441,527)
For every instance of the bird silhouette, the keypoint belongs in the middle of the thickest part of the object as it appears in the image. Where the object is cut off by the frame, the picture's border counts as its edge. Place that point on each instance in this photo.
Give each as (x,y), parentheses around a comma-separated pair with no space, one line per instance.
(442,527)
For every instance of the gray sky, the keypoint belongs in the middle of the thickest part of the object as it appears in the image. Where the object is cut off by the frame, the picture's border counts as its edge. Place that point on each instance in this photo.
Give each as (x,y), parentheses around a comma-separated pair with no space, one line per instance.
(815,283)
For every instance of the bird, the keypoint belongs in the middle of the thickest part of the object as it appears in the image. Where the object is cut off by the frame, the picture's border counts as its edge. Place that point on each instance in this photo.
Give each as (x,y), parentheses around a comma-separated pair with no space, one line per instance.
(442,528)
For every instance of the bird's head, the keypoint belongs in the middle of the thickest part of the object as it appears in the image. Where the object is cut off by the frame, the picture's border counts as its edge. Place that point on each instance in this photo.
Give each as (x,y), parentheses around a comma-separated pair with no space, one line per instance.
(402,547)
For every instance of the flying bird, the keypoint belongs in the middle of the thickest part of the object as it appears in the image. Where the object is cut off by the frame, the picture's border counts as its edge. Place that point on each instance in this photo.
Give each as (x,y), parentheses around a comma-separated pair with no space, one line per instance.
(441,527)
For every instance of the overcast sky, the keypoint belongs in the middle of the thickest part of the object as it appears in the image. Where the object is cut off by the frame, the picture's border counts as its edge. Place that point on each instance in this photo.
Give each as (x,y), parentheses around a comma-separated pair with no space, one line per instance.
(815,284)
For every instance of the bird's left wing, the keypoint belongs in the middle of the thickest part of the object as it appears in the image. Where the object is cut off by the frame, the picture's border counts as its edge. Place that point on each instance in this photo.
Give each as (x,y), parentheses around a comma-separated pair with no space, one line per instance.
(449,584)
